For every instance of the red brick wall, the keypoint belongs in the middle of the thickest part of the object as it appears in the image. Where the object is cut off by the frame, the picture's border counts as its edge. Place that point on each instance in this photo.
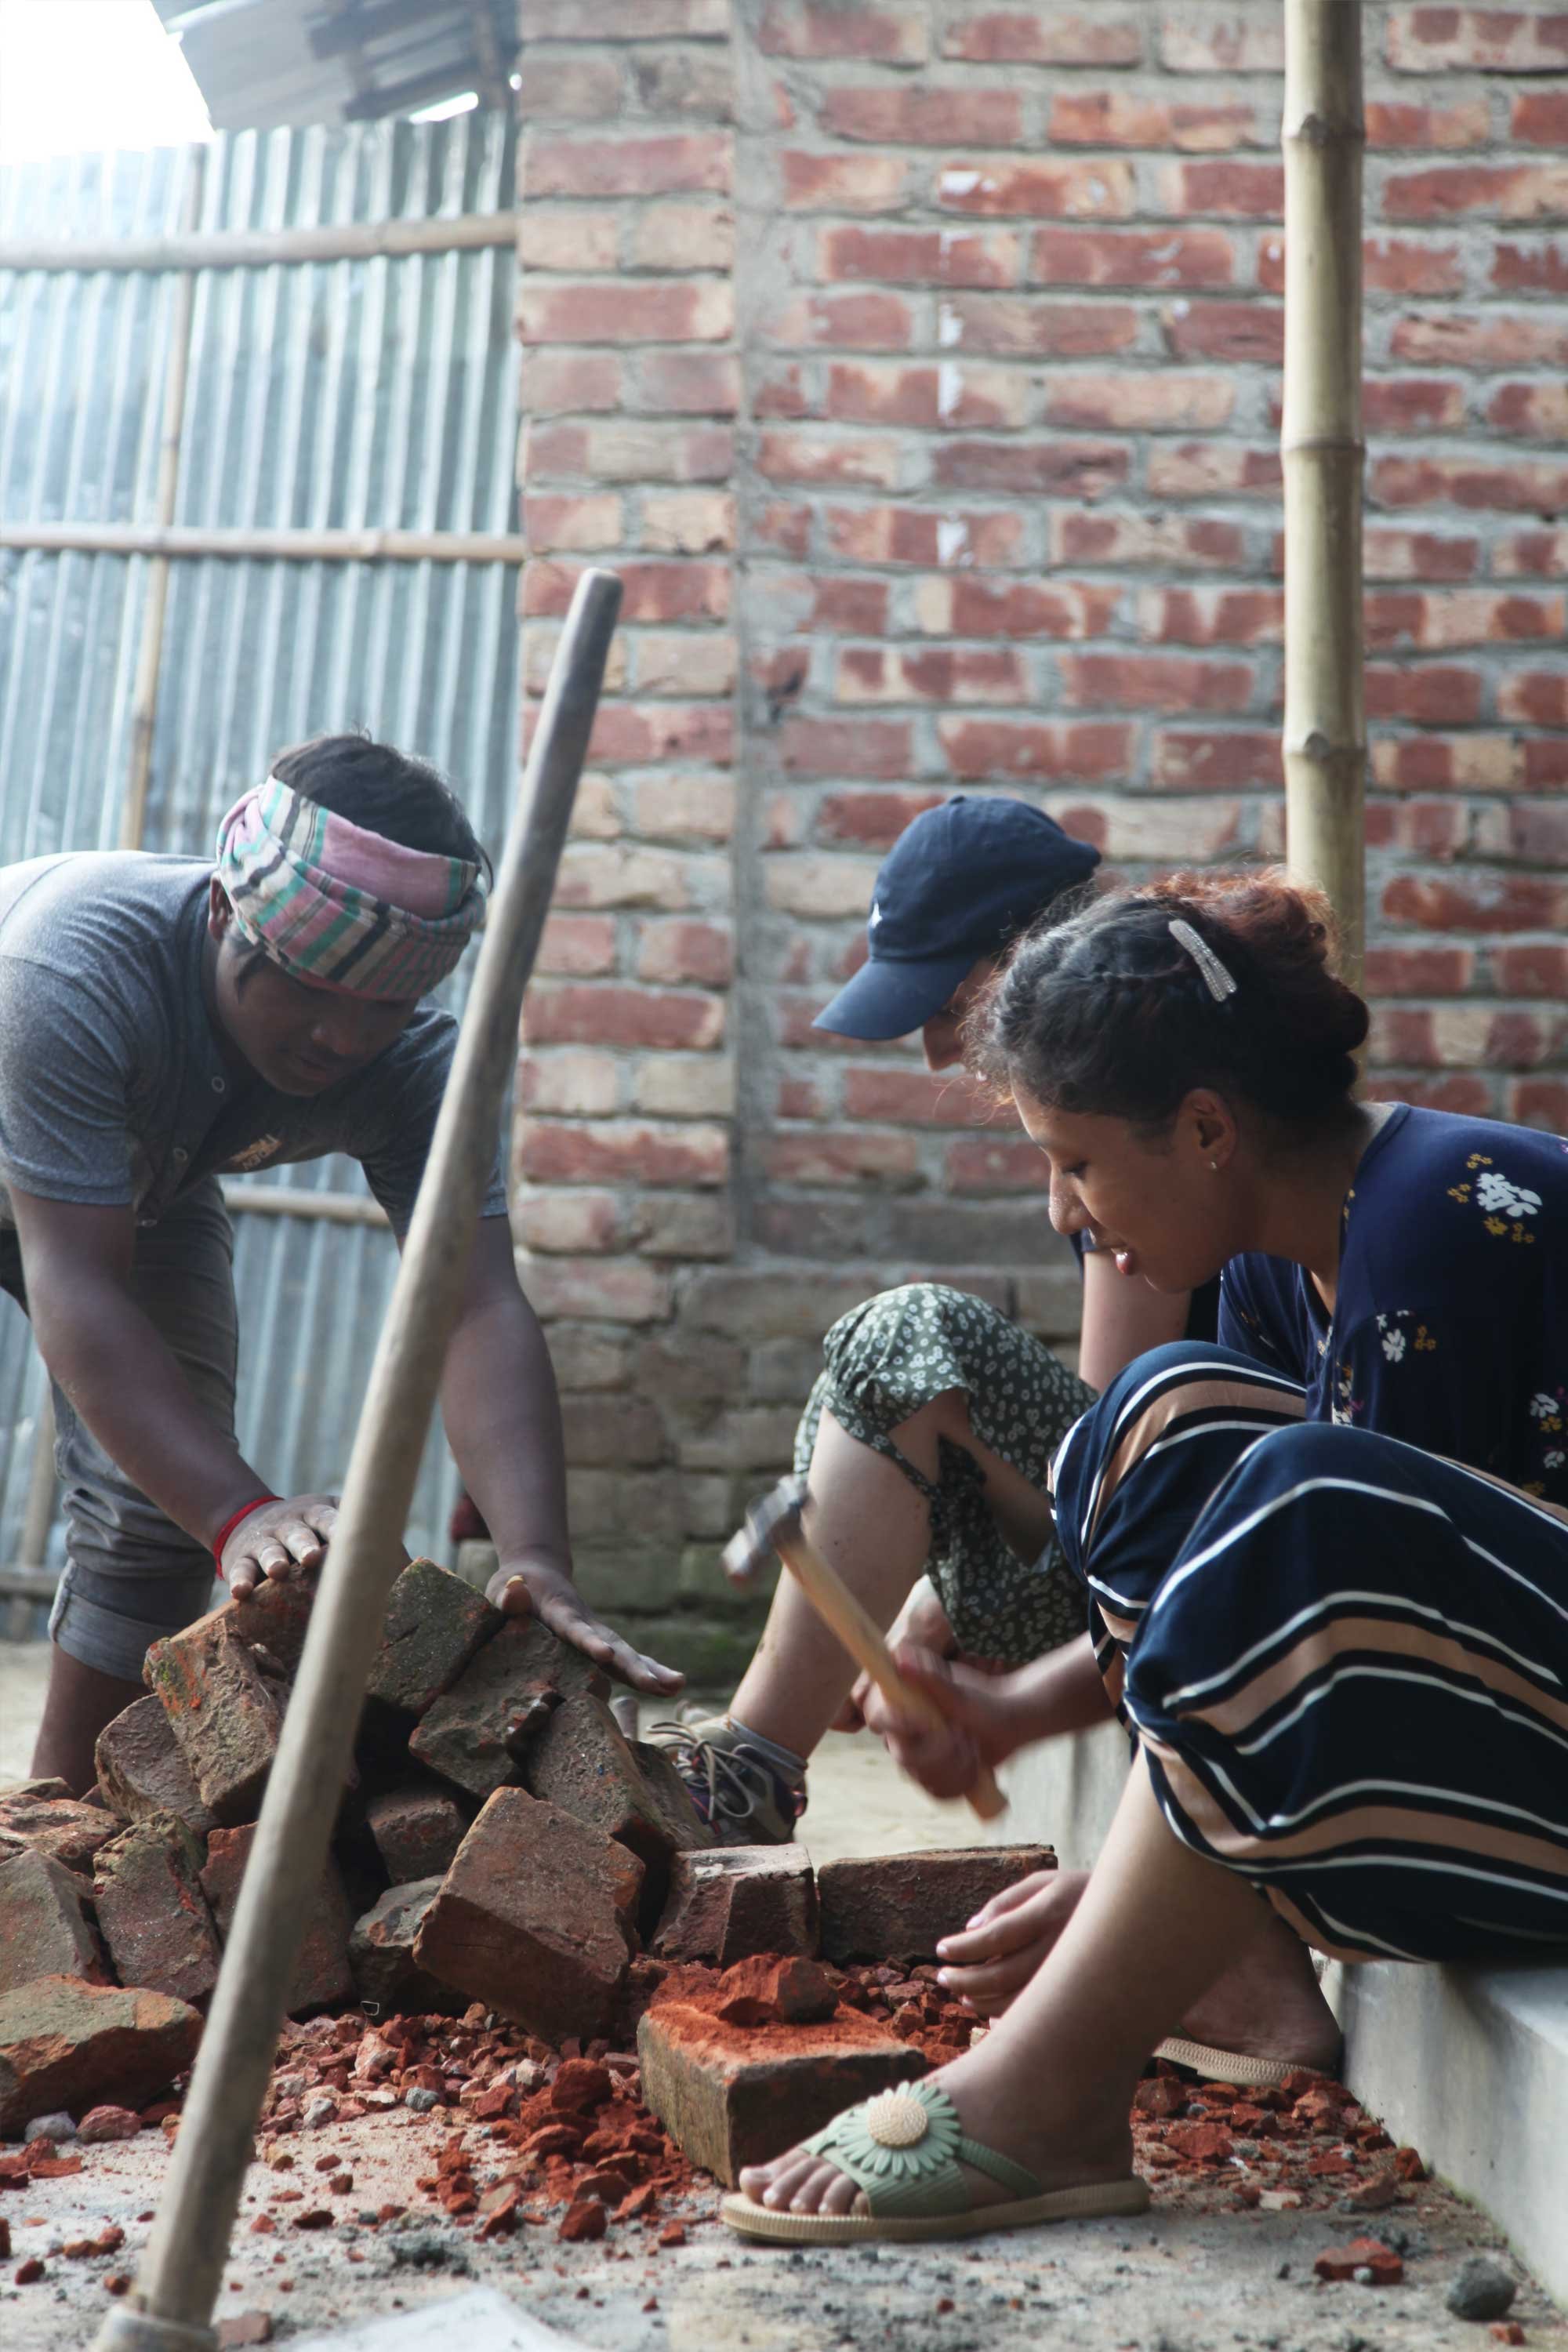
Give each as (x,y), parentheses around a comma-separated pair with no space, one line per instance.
(917,364)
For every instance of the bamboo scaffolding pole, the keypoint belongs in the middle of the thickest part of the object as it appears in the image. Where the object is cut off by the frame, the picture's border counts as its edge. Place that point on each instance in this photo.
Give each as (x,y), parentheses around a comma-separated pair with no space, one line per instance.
(1323,456)
(279,1201)
(150,652)
(246,248)
(170,2307)
(287,544)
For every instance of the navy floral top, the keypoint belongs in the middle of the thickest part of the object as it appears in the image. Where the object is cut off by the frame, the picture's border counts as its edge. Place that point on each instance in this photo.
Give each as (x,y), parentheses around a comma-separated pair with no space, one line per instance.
(1451,1324)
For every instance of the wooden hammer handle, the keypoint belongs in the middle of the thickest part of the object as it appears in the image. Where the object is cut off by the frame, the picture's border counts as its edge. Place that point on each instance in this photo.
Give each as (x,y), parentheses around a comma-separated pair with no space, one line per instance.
(837,1607)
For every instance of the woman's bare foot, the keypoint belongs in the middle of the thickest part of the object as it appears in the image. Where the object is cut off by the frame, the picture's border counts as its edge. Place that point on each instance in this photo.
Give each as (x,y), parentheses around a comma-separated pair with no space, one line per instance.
(1062,2150)
(1267,2005)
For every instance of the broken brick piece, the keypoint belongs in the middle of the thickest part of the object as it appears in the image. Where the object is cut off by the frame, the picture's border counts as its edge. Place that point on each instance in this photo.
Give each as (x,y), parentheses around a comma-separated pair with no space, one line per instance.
(380,1955)
(151,1907)
(221,1709)
(1361,2254)
(321,1975)
(898,1906)
(435,1624)
(580,2085)
(587,2219)
(417,1831)
(732,1901)
(45,1929)
(731,2097)
(535,1917)
(100,2126)
(765,1991)
(45,1816)
(142,1770)
(63,2044)
(473,1734)
(581,1760)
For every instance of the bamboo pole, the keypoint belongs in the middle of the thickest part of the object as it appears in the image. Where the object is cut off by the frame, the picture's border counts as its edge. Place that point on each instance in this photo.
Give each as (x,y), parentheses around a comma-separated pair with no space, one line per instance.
(287,544)
(169,2309)
(150,652)
(281,1201)
(258,248)
(1323,455)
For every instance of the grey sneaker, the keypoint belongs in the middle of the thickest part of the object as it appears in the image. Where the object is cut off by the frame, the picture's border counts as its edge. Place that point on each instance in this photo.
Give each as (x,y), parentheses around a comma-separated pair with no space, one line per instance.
(740,1793)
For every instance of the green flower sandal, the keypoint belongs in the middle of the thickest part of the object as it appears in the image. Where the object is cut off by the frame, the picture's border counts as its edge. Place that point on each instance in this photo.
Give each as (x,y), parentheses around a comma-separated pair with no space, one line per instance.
(903,2151)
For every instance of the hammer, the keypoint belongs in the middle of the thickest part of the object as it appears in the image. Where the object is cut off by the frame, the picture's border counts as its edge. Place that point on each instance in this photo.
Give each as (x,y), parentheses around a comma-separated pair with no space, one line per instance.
(775,1525)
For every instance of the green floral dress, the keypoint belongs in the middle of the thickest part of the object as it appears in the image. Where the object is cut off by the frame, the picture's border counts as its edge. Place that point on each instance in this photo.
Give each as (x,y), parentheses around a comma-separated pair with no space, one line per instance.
(882,1362)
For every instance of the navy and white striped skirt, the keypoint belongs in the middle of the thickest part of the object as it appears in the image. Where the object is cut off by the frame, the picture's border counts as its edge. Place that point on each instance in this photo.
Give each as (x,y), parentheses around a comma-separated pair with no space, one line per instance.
(1345,1660)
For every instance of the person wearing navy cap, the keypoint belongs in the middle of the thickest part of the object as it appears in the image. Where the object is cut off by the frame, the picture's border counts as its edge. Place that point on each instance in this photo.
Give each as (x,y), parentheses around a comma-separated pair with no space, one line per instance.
(928,1437)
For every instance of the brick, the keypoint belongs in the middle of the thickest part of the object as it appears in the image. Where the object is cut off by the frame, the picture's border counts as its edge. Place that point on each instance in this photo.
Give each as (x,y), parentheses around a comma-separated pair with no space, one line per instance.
(1390,265)
(1043,189)
(1433,694)
(1195,470)
(946,674)
(151,1908)
(674,952)
(417,1832)
(1154,682)
(875,461)
(1511,192)
(626,876)
(594,1291)
(434,1624)
(978,749)
(1055,36)
(866,1155)
(654,1019)
(1540,118)
(919,256)
(1212,617)
(387,1978)
(676,237)
(632,449)
(625,311)
(568,238)
(556,382)
(691,383)
(321,1979)
(1537,268)
(622,1431)
(629,20)
(687,522)
(66,2046)
(581,1763)
(1537,1102)
(1132,256)
(1530,487)
(45,1816)
(1159,402)
(1226,191)
(730,1902)
(1476,40)
(999,1164)
(961,605)
(140,1771)
(1211,760)
(474,1734)
(622,1150)
(1083,468)
(917,1098)
(796,28)
(1478,339)
(1537,411)
(45,1927)
(669,1086)
(577,525)
(583,1085)
(924,117)
(690,83)
(1447,763)
(578,946)
(1425,971)
(682,164)
(568,1224)
(1479,901)
(1221,41)
(898,1906)
(535,1918)
(1361,2254)
(1397,554)
(913,535)
(869,320)
(1397,123)
(1020,326)
(1251,334)
(731,2095)
(685,808)
(1130,542)
(224,1715)
(842,183)
(1121,118)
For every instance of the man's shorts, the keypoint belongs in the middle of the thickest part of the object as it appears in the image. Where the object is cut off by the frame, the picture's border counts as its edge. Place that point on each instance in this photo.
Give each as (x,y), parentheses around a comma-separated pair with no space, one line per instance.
(131,1576)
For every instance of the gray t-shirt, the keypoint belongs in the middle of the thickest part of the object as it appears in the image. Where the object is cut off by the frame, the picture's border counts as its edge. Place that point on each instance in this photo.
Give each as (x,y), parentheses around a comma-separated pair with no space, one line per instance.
(113,1087)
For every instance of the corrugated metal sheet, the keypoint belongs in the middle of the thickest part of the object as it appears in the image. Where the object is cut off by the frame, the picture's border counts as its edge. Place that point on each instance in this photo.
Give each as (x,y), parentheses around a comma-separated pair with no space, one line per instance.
(262,63)
(372,393)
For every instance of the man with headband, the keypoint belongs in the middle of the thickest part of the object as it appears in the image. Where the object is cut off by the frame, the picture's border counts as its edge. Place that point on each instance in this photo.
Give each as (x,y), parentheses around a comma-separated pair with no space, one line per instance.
(162,1024)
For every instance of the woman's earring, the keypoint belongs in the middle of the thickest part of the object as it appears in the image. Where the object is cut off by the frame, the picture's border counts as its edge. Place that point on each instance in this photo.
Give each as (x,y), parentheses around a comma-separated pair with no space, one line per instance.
(1215,1165)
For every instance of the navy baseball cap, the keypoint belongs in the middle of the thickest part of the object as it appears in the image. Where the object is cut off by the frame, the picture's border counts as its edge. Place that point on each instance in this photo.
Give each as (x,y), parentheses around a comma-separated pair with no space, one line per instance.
(957,884)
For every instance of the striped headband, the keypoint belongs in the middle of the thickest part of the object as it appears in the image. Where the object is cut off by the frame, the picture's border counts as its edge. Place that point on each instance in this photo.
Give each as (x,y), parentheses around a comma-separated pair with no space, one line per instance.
(331,903)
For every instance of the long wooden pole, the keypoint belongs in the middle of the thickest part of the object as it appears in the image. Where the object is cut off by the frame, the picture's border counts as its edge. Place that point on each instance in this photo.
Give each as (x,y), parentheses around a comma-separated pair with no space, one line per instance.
(150,654)
(287,544)
(170,2307)
(258,249)
(1323,456)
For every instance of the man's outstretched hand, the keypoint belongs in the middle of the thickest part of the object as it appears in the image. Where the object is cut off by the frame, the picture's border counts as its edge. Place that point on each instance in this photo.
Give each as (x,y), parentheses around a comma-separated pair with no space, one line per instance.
(525,1590)
(277,1539)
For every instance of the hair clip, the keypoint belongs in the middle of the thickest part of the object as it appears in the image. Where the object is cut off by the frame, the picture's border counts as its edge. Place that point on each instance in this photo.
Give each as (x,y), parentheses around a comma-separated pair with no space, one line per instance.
(1216,977)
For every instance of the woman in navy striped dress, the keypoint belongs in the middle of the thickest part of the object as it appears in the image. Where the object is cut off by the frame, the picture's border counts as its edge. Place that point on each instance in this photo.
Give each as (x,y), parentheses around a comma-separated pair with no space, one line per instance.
(1326,1561)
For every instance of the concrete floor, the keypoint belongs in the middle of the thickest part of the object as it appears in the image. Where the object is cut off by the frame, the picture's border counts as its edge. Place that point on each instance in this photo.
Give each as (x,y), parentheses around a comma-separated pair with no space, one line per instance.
(1195,2275)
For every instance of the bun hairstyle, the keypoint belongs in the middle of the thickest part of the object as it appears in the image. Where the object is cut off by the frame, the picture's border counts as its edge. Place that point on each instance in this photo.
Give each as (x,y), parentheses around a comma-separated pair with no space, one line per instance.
(1108,1011)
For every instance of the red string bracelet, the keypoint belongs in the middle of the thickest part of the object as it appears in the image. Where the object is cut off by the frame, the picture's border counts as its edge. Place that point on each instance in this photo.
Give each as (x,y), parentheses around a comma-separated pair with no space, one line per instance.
(256,1503)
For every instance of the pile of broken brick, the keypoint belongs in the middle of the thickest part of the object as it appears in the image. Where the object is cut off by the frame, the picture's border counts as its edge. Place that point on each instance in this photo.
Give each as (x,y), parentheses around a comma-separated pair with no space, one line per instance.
(535,1939)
